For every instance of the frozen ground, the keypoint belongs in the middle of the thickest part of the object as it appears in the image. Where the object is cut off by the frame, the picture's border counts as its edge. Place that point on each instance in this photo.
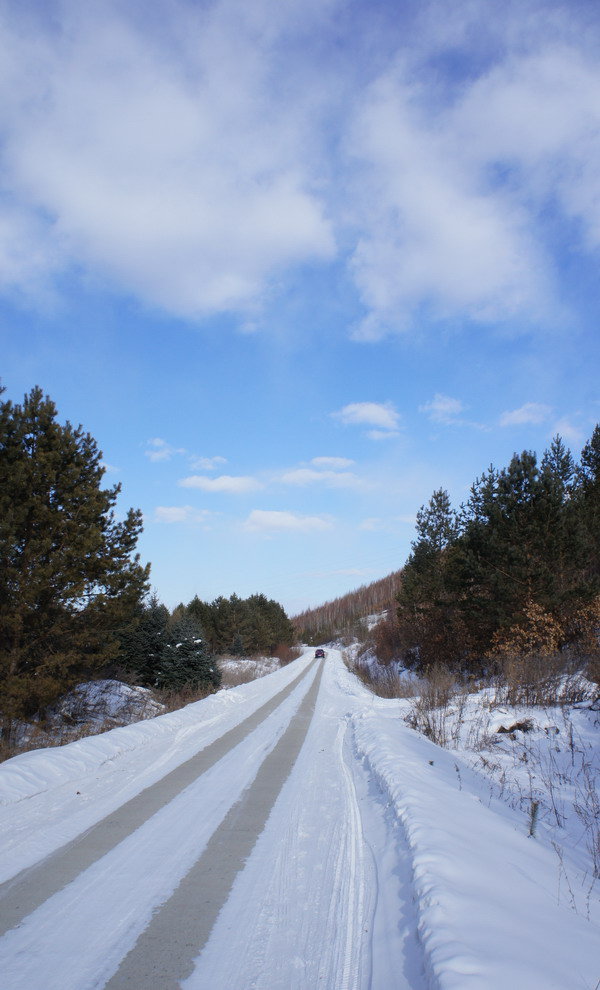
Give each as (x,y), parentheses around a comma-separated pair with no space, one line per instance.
(322,843)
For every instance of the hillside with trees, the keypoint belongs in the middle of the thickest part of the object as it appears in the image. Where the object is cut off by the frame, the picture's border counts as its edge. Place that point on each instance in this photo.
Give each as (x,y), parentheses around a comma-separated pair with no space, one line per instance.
(343,615)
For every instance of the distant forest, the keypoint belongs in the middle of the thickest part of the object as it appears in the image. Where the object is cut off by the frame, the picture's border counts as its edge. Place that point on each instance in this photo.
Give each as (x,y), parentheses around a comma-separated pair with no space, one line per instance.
(344,615)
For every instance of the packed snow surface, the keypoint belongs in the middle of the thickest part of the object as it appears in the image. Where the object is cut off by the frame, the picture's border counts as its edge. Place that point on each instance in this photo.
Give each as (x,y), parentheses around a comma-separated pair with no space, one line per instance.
(382,862)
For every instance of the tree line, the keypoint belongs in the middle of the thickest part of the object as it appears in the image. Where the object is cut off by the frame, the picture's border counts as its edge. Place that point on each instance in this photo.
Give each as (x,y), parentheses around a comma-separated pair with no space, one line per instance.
(74,598)
(516,569)
(170,650)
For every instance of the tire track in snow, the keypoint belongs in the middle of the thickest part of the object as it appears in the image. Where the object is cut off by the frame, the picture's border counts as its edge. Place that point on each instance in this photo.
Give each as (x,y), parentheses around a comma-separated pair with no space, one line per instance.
(21,895)
(164,954)
(349,881)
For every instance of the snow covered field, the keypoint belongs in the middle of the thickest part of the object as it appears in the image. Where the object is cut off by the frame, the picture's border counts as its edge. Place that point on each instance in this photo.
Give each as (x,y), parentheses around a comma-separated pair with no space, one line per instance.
(380,861)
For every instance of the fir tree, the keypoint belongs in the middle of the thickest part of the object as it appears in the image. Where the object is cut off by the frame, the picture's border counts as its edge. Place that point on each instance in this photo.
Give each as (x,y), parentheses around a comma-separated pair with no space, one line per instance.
(144,640)
(186,659)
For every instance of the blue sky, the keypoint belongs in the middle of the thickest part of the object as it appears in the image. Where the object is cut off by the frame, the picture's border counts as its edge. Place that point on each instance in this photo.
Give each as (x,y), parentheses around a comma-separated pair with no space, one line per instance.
(297,264)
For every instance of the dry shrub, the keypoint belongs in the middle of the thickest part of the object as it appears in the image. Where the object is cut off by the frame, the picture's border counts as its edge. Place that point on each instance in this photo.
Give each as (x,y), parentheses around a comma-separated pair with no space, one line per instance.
(387,643)
(174,700)
(543,681)
(438,687)
(234,675)
(592,670)
(429,713)
(286,654)
(537,634)
(42,736)
(582,629)
(532,669)
(243,671)
(384,681)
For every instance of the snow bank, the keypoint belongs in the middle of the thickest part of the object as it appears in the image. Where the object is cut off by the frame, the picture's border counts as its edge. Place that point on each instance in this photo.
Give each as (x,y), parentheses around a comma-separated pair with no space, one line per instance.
(489,914)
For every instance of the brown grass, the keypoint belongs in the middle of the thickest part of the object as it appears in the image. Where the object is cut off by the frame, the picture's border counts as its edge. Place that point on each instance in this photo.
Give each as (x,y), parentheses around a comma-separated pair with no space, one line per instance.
(40,737)
(387,683)
(174,700)
(542,681)
(287,654)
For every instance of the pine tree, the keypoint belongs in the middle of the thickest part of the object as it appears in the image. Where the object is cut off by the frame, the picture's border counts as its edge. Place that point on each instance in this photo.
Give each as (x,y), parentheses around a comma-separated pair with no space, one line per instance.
(426,610)
(497,565)
(589,506)
(437,526)
(69,578)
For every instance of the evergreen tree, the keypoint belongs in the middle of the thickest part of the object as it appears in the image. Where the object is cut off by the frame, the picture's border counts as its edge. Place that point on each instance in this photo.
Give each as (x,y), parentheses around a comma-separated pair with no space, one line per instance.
(143,641)
(497,566)
(526,542)
(252,625)
(426,605)
(68,575)
(237,648)
(186,660)
(589,506)
(437,526)
(203,614)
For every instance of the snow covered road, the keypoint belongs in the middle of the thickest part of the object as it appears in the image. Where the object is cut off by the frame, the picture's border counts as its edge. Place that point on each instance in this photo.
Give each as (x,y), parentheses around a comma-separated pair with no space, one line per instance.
(288,834)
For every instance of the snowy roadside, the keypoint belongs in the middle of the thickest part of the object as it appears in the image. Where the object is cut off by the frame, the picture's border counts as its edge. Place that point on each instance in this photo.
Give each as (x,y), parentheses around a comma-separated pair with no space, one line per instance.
(493,907)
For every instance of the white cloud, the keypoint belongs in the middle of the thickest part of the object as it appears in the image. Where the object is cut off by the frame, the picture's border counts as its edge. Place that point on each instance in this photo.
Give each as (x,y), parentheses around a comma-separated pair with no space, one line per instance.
(333,479)
(334,463)
(383,416)
(180,514)
(157,153)
(265,521)
(160,450)
(207,463)
(443,409)
(430,233)
(185,158)
(224,483)
(455,175)
(381,434)
(532,412)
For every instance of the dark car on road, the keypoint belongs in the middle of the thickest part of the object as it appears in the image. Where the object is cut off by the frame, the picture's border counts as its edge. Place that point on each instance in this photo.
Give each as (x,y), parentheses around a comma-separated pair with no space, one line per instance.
(319,654)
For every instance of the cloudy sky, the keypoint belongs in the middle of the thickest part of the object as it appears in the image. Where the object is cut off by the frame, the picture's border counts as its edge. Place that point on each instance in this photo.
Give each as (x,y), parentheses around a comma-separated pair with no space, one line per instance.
(297,263)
